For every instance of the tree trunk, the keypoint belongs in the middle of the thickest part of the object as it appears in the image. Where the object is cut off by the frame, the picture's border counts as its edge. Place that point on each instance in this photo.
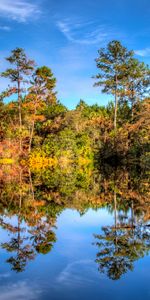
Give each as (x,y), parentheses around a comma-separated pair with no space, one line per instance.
(31,185)
(115,209)
(20,115)
(116,103)
(132,214)
(33,125)
(31,136)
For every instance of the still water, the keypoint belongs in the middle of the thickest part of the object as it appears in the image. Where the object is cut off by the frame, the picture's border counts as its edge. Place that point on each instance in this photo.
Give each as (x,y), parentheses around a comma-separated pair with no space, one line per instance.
(64,250)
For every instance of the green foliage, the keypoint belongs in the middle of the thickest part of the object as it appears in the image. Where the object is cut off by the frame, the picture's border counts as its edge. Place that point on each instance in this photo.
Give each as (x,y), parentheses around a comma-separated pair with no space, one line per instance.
(77,138)
(121,75)
(112,62)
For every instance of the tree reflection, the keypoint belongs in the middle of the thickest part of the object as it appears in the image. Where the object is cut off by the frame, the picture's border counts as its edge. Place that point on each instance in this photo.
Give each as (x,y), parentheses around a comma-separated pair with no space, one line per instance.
(119,246)
(119,249)
(27,242)
(23,253)
(35,200)
(33,231)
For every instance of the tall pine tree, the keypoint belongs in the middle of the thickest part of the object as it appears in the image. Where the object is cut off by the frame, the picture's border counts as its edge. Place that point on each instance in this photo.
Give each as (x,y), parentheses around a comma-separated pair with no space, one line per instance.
(112,63)
(21,67)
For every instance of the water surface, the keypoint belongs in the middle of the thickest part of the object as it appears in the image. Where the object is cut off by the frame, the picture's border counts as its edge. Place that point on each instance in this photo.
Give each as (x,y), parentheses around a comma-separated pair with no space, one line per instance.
(88,243)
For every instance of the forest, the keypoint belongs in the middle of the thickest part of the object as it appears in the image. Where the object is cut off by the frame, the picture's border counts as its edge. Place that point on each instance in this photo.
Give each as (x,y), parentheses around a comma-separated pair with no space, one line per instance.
(38,130)
(93,156)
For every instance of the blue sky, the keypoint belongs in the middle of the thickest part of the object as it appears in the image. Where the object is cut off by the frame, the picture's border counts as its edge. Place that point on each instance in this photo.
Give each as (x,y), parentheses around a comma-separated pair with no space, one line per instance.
(66,34)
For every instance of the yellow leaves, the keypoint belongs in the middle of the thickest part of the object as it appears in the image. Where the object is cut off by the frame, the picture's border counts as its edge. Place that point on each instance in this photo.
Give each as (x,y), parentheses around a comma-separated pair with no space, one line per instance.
(38,161)
(64,162)
(6,161)
(82,161)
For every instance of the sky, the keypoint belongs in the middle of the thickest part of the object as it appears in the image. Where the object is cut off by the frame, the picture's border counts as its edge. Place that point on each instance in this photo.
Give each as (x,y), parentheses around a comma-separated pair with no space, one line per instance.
(65,35)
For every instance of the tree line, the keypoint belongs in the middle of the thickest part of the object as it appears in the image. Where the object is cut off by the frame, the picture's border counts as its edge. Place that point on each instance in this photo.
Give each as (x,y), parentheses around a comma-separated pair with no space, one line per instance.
(34,123)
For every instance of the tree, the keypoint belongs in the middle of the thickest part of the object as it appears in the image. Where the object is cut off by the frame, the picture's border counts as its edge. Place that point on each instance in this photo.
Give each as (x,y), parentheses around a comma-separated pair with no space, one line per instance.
(45,82)
(137,83)
(17,75)
(40,96)
(112,63)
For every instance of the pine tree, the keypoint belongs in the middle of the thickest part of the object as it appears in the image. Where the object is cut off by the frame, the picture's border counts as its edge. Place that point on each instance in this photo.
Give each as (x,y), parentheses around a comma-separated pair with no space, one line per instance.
(45,83)
(112,64)
(137,83)
(41,94)
(22,67)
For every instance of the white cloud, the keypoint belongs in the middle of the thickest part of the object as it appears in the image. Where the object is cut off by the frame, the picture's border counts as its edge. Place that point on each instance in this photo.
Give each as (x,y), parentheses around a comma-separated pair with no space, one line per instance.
(20,290)
(143,52)
(4,275)
(72,274)
(83,32)
(19,10)
(5,28)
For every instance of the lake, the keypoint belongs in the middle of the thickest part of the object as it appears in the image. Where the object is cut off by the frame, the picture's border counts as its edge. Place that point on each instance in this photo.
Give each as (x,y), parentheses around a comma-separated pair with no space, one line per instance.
(92,242)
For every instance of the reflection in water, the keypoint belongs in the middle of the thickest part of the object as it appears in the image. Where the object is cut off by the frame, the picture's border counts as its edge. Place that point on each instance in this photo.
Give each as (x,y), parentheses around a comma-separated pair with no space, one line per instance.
(24,245)
(120,246)
(23,251)
(21,290)
(33,231)
(35,201)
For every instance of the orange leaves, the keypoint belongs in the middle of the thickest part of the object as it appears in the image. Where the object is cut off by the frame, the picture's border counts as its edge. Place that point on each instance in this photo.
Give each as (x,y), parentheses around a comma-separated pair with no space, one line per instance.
(9,149)
(101,122)
(11,105)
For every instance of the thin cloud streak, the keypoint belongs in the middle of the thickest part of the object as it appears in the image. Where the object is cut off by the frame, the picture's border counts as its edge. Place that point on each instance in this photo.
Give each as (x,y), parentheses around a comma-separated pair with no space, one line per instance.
(5,28)
(83,33)
(18,10)
(143,53)
(71,276)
